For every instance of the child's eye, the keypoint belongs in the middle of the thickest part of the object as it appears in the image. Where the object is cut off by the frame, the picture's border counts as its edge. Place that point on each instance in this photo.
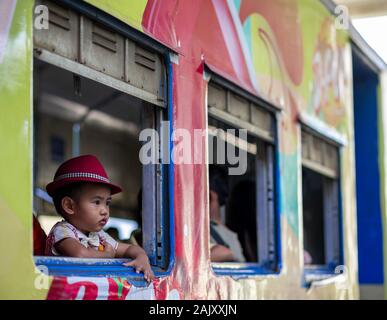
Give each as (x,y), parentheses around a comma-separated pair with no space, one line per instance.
(97,202)
(108,203)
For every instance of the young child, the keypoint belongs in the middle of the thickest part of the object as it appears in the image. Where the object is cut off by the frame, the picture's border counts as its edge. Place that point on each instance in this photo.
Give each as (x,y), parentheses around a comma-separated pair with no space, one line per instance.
(82,192)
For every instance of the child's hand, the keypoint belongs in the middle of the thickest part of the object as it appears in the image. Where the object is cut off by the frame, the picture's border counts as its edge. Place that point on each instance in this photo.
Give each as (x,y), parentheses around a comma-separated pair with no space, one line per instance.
(141,264)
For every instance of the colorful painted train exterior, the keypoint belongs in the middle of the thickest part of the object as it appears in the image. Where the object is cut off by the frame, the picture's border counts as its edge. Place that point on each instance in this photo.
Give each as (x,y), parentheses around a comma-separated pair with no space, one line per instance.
(291,54)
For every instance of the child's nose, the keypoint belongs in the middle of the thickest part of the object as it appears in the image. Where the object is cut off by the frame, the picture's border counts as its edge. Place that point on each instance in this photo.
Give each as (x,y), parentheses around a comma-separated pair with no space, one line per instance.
(105,210)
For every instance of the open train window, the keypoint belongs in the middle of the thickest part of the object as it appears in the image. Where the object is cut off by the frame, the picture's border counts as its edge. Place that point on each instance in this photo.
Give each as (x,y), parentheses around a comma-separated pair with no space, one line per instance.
(247,222)
(94,91)
(321,202)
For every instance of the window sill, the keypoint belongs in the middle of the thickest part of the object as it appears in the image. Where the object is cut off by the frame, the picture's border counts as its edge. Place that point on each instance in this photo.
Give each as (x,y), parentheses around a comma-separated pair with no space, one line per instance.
(79,267)
(242,270)
(320,275)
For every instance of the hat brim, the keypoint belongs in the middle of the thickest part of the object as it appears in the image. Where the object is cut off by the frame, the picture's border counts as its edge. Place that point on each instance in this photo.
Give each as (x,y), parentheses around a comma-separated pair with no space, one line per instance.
(54,186)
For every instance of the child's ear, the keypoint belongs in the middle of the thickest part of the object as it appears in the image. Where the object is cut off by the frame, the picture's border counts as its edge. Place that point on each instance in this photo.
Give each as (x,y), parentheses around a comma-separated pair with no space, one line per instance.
(68,205)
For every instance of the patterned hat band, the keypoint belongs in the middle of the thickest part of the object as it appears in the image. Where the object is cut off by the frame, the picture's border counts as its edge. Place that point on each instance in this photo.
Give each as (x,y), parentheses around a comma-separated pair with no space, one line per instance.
(82,175)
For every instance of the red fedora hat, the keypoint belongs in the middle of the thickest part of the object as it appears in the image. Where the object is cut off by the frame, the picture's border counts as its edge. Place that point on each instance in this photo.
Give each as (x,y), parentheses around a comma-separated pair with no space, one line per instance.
(85,168)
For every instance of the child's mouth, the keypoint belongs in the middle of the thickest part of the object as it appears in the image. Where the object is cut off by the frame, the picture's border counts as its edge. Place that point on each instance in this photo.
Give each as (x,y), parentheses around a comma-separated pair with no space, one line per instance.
(103,222)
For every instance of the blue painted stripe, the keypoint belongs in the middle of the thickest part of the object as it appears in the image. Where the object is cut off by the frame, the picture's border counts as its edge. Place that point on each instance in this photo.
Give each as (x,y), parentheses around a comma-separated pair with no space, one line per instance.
(369,213)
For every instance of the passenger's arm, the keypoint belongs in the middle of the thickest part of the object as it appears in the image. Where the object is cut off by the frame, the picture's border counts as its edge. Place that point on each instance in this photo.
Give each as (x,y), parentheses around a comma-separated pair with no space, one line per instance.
(71,247)
(221,253)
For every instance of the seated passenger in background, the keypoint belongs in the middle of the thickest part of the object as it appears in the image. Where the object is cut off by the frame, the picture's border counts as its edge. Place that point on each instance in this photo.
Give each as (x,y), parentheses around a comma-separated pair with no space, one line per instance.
(224,243)
(242,210)
(113,232)
(82,192)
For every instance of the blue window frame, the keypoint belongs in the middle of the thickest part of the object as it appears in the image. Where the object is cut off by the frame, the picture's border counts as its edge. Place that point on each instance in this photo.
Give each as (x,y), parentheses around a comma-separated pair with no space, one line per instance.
(322,220)
(156,179)
(230,107)
(75,267)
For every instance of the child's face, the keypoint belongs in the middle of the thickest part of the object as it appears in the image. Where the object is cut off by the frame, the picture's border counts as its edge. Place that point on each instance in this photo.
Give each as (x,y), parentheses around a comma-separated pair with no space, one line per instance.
(91,208)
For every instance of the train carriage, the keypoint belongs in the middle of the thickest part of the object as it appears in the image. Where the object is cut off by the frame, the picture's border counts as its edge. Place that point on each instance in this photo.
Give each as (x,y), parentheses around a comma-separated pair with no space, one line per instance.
(79,77)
